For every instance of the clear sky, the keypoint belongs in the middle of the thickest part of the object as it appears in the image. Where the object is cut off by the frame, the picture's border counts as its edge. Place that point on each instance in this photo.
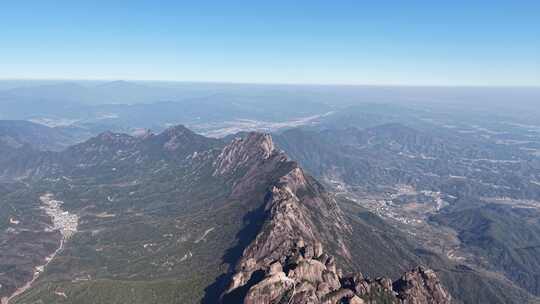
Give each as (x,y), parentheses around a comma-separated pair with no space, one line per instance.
(349,42)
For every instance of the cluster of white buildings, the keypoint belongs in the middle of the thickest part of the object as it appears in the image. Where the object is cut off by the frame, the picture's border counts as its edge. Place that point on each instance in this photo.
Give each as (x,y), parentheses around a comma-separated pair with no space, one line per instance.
(62,220)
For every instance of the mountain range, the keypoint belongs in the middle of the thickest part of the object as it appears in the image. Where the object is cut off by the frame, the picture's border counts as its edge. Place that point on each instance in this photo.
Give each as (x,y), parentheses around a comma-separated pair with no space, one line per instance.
(356,204)
(177,217)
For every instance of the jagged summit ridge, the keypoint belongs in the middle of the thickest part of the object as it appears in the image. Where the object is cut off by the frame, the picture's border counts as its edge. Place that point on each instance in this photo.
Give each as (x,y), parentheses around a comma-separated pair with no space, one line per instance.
(285,263)
(241,151)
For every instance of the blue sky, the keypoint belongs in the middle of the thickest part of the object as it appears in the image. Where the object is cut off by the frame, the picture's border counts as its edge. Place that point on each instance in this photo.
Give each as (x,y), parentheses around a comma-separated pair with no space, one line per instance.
(328,42)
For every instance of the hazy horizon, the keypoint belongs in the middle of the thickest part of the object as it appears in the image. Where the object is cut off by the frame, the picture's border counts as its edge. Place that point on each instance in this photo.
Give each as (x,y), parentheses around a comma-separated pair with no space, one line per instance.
(224,82)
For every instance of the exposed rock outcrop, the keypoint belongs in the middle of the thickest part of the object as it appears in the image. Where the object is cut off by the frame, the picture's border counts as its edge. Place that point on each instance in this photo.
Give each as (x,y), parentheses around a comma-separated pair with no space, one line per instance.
(254,148)
(296,206)
(420,286)
(300,278)
(286,263)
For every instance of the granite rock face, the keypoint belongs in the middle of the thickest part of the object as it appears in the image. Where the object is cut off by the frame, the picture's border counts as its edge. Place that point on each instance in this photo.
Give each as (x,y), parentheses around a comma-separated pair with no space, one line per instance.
(287,261)
(302,278)
(294,211)
(420,286)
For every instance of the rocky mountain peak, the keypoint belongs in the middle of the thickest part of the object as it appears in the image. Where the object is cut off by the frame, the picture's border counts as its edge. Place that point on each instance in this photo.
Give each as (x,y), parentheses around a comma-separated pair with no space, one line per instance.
(286,262)
(177,130)
(260,143)
(179,142)
(176,136)
(242,152)
(289,241)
